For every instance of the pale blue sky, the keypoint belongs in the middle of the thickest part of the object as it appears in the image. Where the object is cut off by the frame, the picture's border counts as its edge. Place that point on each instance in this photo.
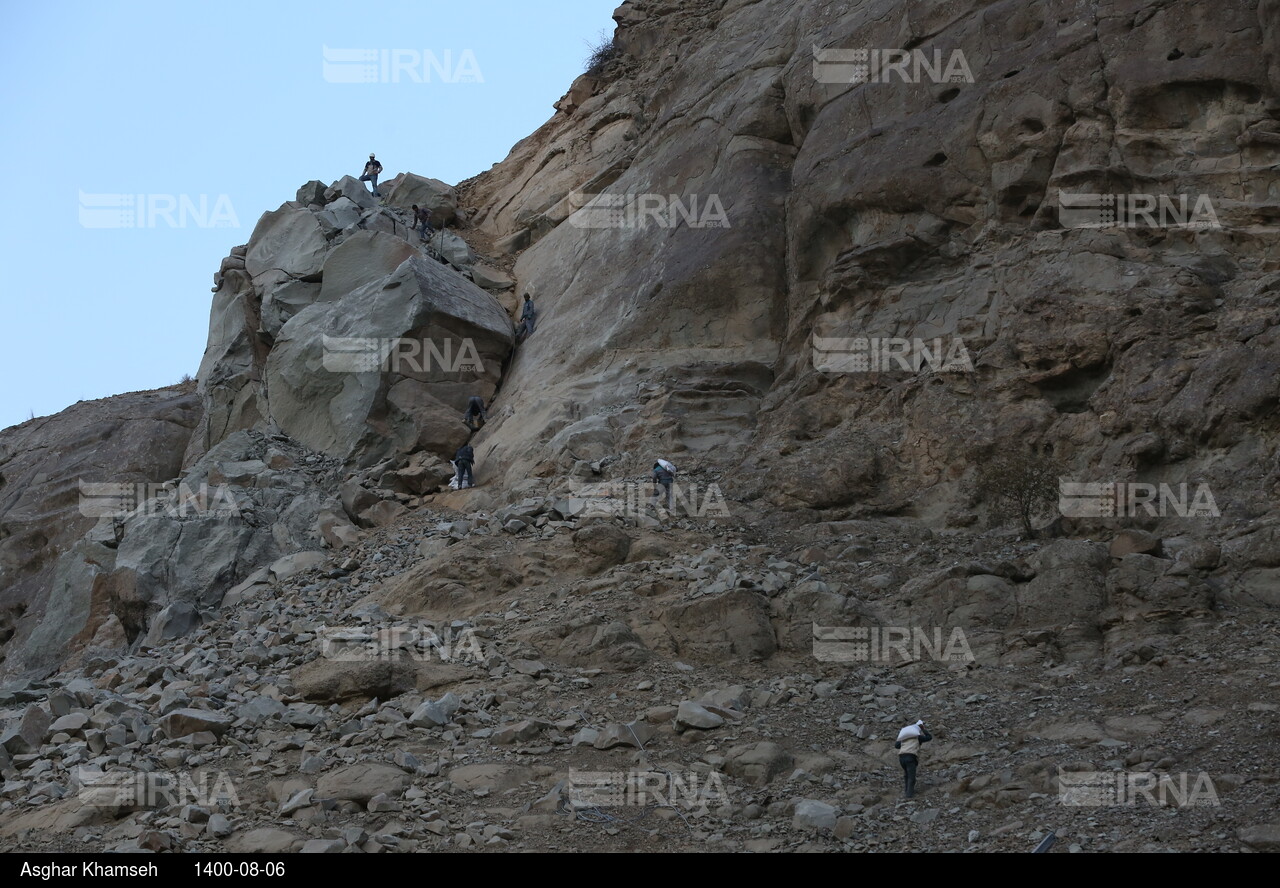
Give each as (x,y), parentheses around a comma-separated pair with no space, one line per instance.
(230,99)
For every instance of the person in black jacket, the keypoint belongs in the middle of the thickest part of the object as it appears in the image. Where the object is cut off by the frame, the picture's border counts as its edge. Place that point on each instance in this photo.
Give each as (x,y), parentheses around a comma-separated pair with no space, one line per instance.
(422,222)
(475,417)
(909,740)
(464,459)
(662,475)
(528,316)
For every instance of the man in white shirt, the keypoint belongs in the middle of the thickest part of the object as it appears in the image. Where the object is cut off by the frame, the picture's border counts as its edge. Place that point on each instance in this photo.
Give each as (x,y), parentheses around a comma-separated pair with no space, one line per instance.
(908,746)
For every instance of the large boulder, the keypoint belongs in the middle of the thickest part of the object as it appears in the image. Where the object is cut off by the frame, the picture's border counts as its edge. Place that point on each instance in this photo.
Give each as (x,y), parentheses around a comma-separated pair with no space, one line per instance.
(182,722)
(456,251)
(27,733)
(362,781)
(390,365)
(436,196)
(337,677)
(265,840)
(229,516)
(717,627)
(290,240)
(353,190)
(364,257)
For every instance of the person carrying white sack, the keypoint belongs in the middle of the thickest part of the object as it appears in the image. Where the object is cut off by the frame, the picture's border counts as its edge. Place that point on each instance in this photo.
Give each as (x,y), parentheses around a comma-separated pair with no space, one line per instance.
(908,746)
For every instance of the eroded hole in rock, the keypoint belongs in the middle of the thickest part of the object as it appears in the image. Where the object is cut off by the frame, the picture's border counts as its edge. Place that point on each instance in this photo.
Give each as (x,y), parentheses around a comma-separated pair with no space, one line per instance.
(937,160)
(1032,126)
(948,95)
(1070,392)
(1012,73)
(1175,55)
(9,620)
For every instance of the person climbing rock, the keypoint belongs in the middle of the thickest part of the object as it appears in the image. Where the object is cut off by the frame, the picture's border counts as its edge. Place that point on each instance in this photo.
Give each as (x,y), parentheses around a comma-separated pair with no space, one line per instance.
(422,222)
(664,474)
(371,171)
(528,315)
(475,417)
(908,744)
(464,459)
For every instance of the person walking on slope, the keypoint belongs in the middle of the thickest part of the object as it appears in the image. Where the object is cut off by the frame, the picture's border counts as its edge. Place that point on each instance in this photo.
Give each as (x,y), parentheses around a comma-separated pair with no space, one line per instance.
(475,411)
(908,746)
(371,171)
(422,222)
(664,473)
(464,459)
(527,317)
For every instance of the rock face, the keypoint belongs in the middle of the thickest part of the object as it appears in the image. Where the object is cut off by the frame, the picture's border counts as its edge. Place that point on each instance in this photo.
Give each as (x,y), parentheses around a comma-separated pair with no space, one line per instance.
(394,663)
(48,577)
(243,515)
(917,209)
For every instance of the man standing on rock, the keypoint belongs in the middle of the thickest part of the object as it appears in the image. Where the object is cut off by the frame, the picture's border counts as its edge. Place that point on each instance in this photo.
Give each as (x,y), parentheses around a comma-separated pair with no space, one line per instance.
(464,459)
(371,171)
(475,411)
(908,745)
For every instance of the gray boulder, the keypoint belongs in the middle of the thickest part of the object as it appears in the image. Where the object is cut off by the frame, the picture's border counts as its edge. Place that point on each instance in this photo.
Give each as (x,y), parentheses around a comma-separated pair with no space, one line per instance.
(290,240)
(436,196)
(341,214)
(362,781)
(389,365)
(353,190)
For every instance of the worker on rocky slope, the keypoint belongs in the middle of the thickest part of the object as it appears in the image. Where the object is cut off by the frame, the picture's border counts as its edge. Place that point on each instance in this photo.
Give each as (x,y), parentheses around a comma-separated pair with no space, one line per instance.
(664,473)
(422,222)
(528,315)
(464,459)
(908,746)
(475,416)
(370,175)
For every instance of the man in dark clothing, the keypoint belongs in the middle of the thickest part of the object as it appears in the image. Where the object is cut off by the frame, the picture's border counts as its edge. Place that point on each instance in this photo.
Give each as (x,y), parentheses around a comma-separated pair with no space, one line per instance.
(664,476)
(528,315)
(371,171)
(908,744)
(464,459)
(475,411)
(422,222)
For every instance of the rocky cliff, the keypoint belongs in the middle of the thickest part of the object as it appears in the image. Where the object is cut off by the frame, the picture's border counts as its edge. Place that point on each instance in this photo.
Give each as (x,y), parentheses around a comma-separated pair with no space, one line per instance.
(712,224)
